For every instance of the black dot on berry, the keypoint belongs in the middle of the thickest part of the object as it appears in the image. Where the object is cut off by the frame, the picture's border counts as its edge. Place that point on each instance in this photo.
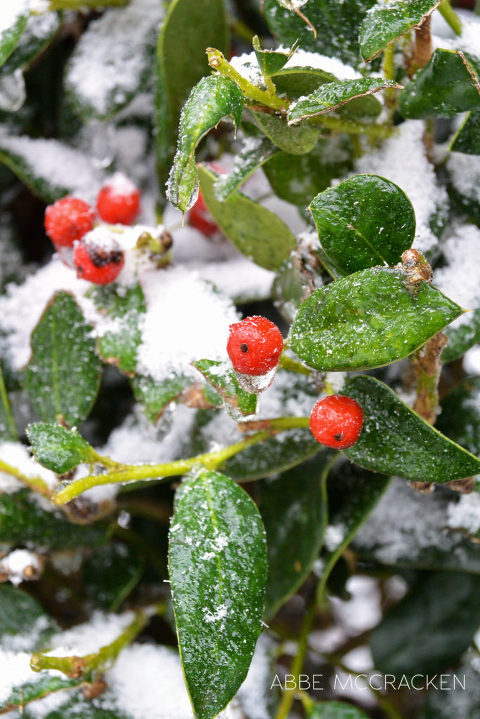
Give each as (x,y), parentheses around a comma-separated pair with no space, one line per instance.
(243,347)
(338,437)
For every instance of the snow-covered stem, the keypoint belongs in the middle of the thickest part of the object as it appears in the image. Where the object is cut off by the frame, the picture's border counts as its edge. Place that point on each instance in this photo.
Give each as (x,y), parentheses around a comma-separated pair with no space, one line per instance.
(217,61)
(36,484)
(450,16)
(77,667)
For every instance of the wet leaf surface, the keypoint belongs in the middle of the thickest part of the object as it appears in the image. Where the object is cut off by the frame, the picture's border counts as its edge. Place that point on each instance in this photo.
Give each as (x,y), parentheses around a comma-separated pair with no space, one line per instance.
(58,448)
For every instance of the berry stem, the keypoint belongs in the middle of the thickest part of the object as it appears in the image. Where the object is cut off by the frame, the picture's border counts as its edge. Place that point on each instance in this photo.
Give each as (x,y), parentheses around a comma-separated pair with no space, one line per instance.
(450,16)
(36,484)
(292,365)
(85,4)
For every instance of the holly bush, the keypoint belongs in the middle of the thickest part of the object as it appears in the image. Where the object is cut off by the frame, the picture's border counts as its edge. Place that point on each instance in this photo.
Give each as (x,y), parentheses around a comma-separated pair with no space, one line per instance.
(174,540)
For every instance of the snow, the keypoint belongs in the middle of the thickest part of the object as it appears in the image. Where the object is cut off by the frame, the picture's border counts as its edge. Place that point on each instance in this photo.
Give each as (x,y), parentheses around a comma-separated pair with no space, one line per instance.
(109,63)
(468,41)
(253,694)
(334,536)
(402,159)
(464,171)
(14,671)
(17,456)
(15,564)
(304,58)
(456,279)
(10,13)
(25,642)
(465,514)
(471,361)
(119,184)
(88,638)
(363,610)
(246,64)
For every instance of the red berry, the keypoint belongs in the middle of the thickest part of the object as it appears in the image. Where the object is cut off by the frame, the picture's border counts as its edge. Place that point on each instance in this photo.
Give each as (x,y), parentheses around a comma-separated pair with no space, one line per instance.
(67,220)
(118,201)
(336,421)
(199,217)
(254,345)
(97,260)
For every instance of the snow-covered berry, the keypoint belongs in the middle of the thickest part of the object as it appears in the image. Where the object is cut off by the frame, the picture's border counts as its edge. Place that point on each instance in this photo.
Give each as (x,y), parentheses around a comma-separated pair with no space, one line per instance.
(98,259)
(67,220)
(118,201)
(336,421)
(254,345)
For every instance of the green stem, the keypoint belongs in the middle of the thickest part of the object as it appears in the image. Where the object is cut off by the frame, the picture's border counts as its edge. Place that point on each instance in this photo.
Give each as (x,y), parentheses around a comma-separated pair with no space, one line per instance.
(450,16)
(389,72)
(292,365)
(217,61)
(355,128)
(77,667)
(82,4)
(37,484)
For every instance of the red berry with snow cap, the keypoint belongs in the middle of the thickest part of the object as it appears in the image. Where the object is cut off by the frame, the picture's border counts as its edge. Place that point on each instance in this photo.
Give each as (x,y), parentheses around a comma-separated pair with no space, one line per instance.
(98,259)
(254,345)
(67,220)
(336,421)
(118,201)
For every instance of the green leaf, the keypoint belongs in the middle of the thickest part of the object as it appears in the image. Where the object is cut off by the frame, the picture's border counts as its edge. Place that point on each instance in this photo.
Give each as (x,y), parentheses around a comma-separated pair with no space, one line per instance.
(154,397)
(119,345)
(24,522)
(270,61)
(447,85)
(27,692)
(62,350)
(10,36)
(334,710)
(294,510)
(21,616)
(191,25)
(255,231)
(254,153)
(297,81)
(111,573)
(218,570)
(467,137)
(8,430)
(364,221)
(460,415)
(383,24)
(368,319)
(428,629)
(213,99)
(295,140)
(76,705)
(336,23)
(223,379)
(396,440)
(58,448)
(39,32)
(460,339)
(333,95)
(298,178)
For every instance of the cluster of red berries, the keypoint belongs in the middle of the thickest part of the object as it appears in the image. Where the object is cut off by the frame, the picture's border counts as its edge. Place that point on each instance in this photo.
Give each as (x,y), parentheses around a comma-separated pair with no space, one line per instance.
(69,220)
(254,347)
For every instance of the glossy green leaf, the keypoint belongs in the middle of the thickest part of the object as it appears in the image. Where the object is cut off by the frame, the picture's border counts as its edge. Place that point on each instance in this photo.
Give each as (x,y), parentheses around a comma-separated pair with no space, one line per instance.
(22,616)
(460,415)
(364,221)
(460,339)
(254,153)
(353,493)
(270,61)
(255,231)
(40,687)
(8,430)
(297,81)
(383,24)
(447,85)
(10,36)
(295,140)
(431,627)
(294,511)
(224,381)
(119,345)
(333,95)
(298,178)
(192,25)
(154,397)
(39,32)
(58,448)
(218,571)
(368,319)
(396,440)
(24,522)
(211,100)
(334,710)
(336,23)
(111,573)
(467,138)
(62,351)
(410,530)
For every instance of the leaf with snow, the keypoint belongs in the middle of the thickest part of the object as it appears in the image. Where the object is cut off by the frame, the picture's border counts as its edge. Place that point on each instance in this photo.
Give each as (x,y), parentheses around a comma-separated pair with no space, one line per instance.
(218,568)
(39,32)
(254,153)
(124,58)
(58,448)
(154,396)
(8,430)
(430,94)
(368,319)
(387,21)
(396,440)
(255,231)
(467,137)
(222,378)
(24,625)
(334,95)
(295,140)
(210,101)
(63,375)
(12,25)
